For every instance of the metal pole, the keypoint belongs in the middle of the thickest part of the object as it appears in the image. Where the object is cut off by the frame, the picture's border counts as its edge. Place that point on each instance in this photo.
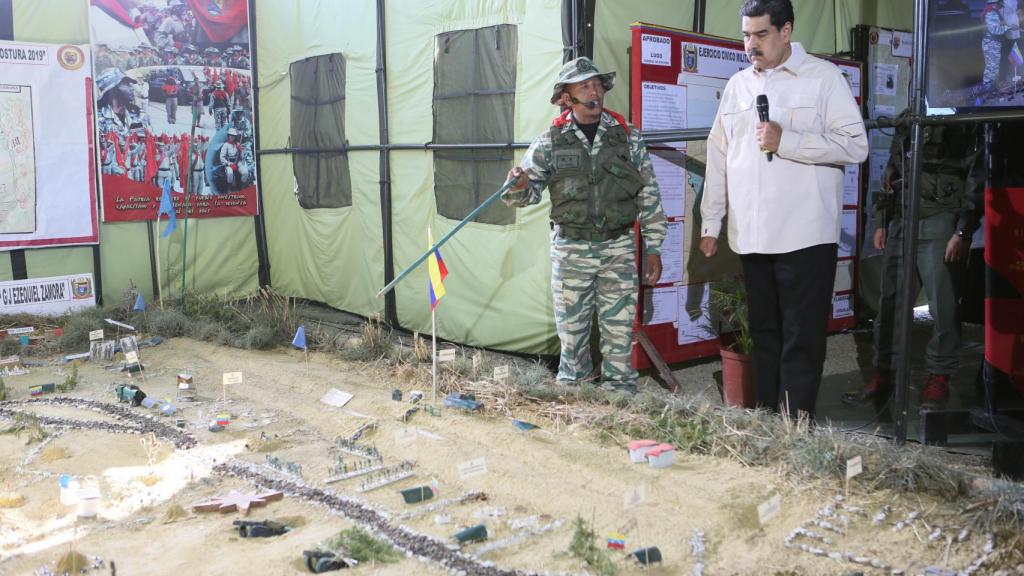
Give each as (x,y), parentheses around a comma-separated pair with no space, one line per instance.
(188,184)
(384,166)
(259,221)
(575,29)
(445,238)
(910,223)
(700,9)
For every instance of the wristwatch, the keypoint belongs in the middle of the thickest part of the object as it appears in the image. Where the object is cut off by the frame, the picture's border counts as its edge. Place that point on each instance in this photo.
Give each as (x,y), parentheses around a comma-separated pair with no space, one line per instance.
(963,234)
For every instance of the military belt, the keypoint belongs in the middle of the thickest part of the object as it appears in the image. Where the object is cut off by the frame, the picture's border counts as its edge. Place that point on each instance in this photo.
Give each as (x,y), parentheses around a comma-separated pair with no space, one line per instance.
(591,235)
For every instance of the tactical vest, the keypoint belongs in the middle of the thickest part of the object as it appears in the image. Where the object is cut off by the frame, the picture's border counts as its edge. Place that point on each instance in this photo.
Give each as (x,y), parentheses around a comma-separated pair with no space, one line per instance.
(944,168)
(593,199)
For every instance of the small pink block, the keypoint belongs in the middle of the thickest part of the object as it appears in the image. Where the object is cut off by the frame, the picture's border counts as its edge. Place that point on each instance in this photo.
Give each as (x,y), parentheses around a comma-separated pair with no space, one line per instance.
(661,456)
(638,450)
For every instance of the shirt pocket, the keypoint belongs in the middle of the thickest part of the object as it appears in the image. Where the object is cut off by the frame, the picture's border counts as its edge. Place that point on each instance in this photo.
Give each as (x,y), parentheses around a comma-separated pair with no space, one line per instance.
(738,119)
(797,110)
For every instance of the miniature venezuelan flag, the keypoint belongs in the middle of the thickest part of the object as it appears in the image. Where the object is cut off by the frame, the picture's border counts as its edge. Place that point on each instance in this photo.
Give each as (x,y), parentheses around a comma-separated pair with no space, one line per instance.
(617,542)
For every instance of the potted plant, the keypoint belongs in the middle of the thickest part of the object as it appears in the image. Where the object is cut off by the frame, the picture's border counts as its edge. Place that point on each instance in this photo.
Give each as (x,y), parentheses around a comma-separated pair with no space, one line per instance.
(729,304)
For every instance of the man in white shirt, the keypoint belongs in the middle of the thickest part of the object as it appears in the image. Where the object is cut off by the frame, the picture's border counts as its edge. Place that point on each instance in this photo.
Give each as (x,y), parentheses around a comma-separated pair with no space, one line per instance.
(781,183)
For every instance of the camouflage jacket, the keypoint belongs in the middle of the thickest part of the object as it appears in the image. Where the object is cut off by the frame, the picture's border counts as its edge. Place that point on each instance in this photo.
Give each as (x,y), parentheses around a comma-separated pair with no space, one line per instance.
(538,164)
(952,175)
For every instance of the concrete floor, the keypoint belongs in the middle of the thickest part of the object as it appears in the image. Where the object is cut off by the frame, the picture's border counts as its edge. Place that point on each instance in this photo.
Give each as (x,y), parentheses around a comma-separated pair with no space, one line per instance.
(849,365)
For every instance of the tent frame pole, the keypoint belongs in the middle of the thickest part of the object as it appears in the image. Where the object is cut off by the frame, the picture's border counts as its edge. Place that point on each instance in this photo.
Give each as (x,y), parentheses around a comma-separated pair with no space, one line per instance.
(390,304)
(910,222)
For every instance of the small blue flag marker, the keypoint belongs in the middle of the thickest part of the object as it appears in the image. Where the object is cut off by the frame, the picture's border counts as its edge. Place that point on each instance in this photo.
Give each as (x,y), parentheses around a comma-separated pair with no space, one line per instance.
(140,304)
(300,338)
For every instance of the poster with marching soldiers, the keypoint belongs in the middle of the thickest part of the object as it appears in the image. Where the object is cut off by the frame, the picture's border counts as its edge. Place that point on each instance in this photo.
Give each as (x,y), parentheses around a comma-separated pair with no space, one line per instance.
(173,88)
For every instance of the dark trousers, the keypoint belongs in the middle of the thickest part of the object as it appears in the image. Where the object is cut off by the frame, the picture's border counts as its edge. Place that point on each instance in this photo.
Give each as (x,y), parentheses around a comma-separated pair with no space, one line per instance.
(790,302)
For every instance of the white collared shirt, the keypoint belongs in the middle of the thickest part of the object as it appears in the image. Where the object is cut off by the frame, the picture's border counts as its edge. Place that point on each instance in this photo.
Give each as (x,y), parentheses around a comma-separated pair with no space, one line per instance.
(794,201)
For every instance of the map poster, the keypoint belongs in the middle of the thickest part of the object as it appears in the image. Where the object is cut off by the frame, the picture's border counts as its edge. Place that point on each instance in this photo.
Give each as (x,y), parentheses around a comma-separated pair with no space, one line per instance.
(174,107)
(17,160)
(46,169)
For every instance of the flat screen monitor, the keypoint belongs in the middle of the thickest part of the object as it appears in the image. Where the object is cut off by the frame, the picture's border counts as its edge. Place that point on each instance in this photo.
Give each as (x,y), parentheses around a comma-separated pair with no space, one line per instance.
(975,58)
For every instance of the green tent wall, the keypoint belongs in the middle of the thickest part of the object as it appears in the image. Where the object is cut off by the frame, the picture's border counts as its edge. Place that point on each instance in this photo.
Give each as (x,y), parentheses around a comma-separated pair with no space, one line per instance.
(498,287)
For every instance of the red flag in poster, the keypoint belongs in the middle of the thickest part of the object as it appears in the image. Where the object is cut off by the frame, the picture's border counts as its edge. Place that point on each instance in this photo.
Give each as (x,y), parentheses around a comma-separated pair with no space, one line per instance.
(220,19)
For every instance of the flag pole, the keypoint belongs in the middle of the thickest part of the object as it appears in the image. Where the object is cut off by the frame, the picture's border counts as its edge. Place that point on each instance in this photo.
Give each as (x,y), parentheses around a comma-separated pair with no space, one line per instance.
(188,185)
(445,238)
(433,351)
(159,276)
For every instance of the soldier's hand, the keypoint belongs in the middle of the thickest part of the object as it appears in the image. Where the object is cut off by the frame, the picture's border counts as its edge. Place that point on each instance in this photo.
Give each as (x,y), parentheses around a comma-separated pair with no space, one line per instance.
(519,175)
(880,236)
(956,248)
(769,135)
(652,272)
(709,246)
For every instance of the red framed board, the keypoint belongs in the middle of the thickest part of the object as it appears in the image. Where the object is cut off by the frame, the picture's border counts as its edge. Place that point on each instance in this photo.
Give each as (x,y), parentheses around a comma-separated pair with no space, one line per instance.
(677,79)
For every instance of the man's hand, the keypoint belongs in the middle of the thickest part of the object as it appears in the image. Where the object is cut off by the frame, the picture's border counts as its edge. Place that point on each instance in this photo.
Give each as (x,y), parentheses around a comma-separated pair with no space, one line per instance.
(769,135)
(652,272)
(519,175)
(880,236)
(956,248)
(709,246)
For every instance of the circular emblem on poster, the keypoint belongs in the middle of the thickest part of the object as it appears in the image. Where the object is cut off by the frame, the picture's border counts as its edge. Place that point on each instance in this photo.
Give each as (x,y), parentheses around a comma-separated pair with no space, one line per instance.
(70,57)
(873,37)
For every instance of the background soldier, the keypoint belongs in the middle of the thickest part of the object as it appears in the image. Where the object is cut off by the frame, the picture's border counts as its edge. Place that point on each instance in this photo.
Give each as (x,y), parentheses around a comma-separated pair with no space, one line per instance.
(119,116)
(992,44)
(952,184)
(601,180)
(170,89)
(226,171)
(198,165)
(219,105)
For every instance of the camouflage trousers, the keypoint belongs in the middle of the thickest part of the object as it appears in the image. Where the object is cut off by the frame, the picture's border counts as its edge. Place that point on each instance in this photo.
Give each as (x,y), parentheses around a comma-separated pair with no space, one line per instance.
(992,49)
(589,276)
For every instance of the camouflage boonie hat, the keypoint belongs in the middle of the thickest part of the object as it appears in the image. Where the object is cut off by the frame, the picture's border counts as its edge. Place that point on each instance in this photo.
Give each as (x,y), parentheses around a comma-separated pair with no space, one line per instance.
(579,70)
(109,78)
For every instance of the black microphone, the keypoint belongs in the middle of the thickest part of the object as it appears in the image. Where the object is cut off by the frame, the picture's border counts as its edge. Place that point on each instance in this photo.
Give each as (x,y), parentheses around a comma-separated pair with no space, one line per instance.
(762,113)
(590,104)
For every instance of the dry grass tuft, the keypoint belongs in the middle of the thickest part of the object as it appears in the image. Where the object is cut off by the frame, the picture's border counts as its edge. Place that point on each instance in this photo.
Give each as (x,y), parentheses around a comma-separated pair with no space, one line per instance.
(174,513)
(72,563)
(54,453)
(11,500)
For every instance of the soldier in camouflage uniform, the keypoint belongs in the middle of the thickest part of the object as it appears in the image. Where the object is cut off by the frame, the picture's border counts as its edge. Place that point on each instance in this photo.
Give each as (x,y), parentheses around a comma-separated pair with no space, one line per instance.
(601,181)
(951,188)
(121,117)
(992,42)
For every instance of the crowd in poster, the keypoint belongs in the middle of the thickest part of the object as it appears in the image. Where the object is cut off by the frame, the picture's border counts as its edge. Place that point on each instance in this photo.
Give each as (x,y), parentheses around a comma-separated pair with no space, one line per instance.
(174,106)
(45,135)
